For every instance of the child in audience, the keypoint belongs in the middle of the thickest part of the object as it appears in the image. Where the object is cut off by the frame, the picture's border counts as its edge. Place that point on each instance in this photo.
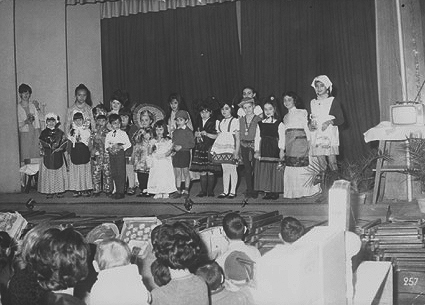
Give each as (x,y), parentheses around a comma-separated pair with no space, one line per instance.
(269,151)
(248,126)
(183,141)
(270,288)
(160,273)
(161,176)
(205,135)
(225,149)
(236,229)
(141,151)
(326,115)
(297,137)
(178,246)
(249,92)
(116,143)
(118,281)
(131,129)
(53,177)
(101,171)
(80,179)
(213,275)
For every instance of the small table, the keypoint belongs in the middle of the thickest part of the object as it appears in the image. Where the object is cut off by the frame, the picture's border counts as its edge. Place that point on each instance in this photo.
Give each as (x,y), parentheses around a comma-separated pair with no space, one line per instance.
(28,171)
(384,132)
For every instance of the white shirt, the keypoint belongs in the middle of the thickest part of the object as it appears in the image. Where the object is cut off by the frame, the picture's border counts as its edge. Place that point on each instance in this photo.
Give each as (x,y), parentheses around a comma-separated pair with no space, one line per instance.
(281,131)
(117,137)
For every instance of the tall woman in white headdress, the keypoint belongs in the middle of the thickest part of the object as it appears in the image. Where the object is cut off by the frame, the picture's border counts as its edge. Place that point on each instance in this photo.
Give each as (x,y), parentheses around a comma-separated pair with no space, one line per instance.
(326,115)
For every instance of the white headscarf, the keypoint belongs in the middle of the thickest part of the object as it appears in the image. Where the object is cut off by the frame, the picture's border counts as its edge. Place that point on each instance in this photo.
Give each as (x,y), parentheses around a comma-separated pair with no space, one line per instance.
(51,115)
(323,79)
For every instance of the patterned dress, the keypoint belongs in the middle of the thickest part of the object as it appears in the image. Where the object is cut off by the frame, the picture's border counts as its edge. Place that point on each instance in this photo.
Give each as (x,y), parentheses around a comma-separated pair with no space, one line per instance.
(297,177)
(101,171)
(200,159)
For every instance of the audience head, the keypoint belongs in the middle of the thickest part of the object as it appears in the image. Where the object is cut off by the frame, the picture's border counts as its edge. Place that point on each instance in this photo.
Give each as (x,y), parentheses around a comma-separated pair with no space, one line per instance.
(212,274)
(61,261)
(234,226)
(112,253)
(161,273)
(291,229)
(177,245)
(82,95)
(238,268)
(8,248)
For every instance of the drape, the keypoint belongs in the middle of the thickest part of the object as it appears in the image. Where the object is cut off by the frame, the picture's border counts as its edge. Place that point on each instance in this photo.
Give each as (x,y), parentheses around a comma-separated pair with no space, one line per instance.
(193,51)
(285,44)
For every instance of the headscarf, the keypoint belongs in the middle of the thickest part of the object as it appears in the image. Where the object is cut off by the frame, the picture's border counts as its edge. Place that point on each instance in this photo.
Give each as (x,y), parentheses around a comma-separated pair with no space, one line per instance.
(323,79)
(51,115)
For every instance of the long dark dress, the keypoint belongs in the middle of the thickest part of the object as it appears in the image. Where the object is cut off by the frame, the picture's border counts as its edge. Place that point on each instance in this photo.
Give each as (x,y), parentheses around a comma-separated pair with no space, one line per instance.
(200,160)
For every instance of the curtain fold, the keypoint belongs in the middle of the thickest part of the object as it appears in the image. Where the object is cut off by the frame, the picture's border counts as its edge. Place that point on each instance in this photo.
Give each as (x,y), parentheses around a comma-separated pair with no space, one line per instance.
(285,44)
(194,51)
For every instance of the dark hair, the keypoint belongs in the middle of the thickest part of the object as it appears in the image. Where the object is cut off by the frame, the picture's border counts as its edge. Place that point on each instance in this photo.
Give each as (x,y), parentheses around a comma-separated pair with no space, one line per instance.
(61,261)
(113,117)
(212,274)
(291,229)
(179,99)
(295,97)
(161,273)
(230,104)
(177,246)
(8,248)
(122,96)
(88,98)
(126,112)
(158,124)
(234,226)
(77,115)
(99,108)
(272,101)
(24,88)
(101,116)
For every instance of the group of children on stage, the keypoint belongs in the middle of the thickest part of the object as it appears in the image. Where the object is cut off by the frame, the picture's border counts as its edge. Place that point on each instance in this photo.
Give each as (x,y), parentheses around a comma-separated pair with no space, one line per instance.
(103,151)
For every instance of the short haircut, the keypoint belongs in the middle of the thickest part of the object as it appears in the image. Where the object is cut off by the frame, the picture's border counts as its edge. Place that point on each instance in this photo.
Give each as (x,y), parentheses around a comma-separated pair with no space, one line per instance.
(177,245)
(113,117)
(234,226)
(161,273)
(291,229)
(61,261)
(295,97)
(24,88)
(212,274)
(112,253)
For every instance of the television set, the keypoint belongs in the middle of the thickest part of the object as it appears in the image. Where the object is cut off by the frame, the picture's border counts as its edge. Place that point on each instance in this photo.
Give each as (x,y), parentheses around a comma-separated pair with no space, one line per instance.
(407,114)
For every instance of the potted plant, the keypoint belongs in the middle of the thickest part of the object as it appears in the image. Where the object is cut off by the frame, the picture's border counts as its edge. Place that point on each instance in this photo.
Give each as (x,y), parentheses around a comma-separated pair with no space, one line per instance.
(358,172)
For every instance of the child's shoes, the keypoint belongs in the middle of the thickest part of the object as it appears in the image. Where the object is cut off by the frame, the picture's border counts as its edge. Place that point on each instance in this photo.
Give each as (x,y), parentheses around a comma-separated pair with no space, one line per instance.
(175,195)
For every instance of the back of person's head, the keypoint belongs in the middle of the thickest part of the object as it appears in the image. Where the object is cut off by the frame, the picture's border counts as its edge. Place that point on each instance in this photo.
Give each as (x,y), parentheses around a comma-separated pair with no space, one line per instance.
(234,226)
(61,262)
(291,229)
(239,268)
(161,273)
(112,253)
(212,274)
(177,245)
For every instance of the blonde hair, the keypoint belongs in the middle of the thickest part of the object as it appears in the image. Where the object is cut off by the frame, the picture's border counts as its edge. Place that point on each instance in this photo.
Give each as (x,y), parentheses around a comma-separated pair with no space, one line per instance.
(112,253)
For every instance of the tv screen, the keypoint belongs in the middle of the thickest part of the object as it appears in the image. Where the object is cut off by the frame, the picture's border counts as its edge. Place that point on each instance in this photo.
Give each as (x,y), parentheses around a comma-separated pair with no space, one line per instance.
(404,114)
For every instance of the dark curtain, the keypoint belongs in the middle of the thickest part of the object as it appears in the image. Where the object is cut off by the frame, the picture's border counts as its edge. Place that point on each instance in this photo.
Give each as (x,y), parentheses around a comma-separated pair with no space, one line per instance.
(285,44)
(192,51)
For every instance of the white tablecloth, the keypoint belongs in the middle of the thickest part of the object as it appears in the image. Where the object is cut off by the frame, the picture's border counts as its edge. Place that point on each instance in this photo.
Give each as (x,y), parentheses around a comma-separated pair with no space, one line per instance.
(386,131)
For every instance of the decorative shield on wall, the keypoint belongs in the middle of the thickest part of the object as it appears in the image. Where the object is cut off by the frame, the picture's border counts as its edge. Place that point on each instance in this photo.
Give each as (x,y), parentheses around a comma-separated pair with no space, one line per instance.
(157,112)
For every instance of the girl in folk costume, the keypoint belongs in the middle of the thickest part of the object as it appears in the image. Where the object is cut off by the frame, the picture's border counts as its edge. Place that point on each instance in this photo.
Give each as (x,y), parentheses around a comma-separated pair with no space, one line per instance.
(269,151)
(297,136)
(248,127)
(82,105)
(175,103)
(225,149)
(161,176)
(326,115)
(205,135)
(53,177)
(141,151)
(80,179)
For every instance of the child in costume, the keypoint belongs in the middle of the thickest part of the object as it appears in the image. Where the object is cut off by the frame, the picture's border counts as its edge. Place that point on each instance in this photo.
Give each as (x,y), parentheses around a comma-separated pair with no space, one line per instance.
(80,179)
(53,177)
(161,175)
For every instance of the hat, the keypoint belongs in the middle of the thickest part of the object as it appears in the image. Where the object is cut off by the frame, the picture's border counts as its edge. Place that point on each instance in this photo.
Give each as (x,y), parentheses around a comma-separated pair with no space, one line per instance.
(51,116)
(182,114)
(325,80)
(246,100)
(78,115)
(238,266)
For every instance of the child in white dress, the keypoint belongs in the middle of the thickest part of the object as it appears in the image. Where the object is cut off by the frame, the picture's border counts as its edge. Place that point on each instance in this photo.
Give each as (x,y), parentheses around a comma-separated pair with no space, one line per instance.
(161,176)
